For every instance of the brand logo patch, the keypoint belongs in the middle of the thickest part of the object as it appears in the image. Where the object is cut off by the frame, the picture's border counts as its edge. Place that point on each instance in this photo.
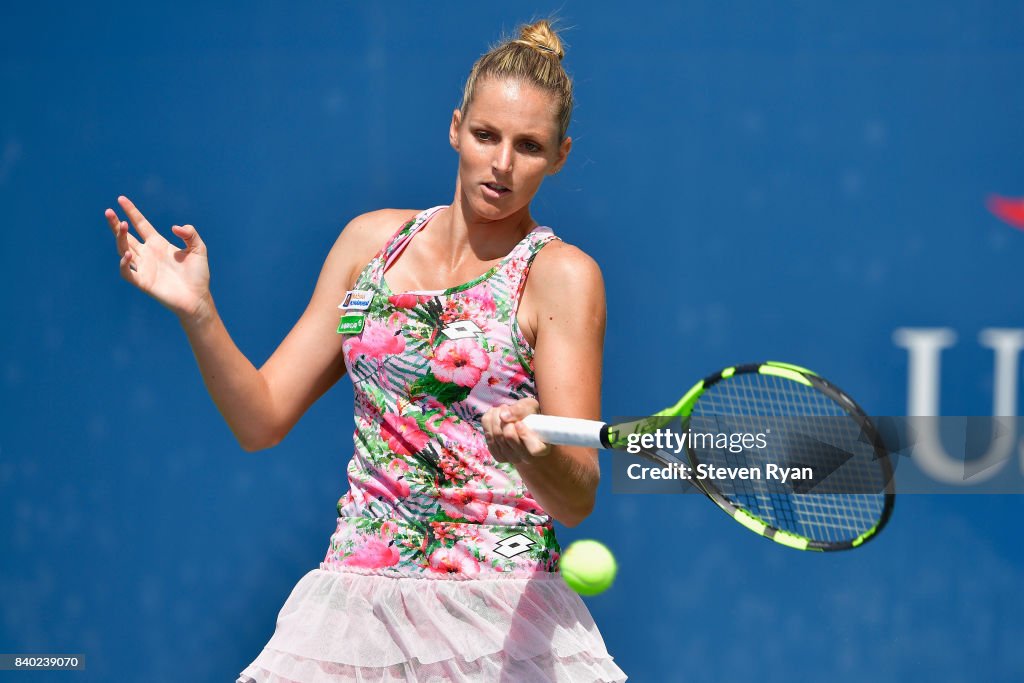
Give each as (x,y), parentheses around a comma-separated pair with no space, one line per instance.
(356,300)
(513,545)
(351,324)
(461,330)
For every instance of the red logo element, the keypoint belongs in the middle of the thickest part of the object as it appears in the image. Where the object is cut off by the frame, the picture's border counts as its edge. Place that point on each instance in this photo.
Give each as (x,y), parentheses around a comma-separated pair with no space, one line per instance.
(1007,209)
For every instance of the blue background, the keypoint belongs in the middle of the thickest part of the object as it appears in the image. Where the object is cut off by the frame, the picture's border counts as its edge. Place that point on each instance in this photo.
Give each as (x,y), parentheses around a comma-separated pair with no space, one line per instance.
(788,180)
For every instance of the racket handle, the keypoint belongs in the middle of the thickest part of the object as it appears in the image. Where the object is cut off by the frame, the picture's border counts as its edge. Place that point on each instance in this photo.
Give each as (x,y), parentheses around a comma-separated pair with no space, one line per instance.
(568,431)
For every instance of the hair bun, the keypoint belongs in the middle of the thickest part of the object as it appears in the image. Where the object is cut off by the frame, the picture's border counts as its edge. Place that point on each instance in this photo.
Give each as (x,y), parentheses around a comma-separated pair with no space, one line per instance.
(527,58)
(542,37)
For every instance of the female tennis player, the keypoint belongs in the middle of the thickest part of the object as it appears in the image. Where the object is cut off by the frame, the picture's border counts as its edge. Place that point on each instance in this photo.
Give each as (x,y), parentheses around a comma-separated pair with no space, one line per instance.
(454,323)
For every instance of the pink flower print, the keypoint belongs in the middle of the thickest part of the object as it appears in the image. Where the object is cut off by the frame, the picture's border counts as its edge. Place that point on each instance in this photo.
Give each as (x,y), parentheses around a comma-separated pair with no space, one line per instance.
(453,467)
(406,300)
(515,272)
(455,560)
(443,531)
(452,310)
(509,507)
(402,434)
(481,301)
(388,529)
(491,389)
(377,341)
(459,361)
(528,504)
(509,515)
(484,537)
(433,404)
(433,422)
(373,554)
(518,379)
(457,432)
(388,483)
(466,502)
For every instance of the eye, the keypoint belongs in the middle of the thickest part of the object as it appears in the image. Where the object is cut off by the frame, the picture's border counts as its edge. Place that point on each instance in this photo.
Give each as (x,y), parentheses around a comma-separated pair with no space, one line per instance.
(482,135)
(531,147)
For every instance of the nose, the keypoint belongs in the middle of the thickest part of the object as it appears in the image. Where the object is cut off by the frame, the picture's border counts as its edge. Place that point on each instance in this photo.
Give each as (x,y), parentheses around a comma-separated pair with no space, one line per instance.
(502,161)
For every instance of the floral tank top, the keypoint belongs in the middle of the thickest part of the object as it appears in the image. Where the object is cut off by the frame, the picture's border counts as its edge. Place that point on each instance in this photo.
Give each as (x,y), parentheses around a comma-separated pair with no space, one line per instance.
(425,496)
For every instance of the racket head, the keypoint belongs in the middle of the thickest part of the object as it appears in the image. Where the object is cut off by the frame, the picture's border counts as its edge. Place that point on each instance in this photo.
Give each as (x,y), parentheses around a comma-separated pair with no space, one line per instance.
(810,422)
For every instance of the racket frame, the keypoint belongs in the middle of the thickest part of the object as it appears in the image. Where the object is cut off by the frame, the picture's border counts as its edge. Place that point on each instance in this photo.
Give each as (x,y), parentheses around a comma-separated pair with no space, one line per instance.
(596,434)
(753,522)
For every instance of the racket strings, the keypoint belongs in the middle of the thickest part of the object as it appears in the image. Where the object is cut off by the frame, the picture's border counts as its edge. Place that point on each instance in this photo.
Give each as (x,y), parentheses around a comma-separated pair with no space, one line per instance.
(802,427)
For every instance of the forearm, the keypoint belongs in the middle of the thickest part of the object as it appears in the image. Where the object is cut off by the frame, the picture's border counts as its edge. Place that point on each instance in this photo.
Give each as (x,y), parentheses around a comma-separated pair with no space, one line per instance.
(564,482)
(237,388)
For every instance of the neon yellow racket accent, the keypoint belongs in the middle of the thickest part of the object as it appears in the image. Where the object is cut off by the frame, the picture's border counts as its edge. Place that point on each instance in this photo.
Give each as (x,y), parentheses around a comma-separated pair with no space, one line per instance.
(790,540)
(779,364)
(750,521)
(864,536)
(785,373)
(684,405)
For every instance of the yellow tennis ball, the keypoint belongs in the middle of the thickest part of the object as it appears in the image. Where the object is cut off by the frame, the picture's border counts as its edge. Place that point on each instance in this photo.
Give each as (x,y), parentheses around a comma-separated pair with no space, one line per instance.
(588,567)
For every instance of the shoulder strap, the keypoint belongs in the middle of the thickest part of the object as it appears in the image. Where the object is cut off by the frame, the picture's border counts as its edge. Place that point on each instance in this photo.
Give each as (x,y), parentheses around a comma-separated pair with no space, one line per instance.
(397,244)
(518,264)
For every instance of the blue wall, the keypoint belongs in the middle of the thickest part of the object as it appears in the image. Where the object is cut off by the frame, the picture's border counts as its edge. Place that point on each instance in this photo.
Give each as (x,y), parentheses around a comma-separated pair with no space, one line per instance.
(813,175)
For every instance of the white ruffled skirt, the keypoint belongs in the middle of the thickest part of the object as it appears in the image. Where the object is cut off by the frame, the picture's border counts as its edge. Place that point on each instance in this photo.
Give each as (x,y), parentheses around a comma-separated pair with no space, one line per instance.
(371,626)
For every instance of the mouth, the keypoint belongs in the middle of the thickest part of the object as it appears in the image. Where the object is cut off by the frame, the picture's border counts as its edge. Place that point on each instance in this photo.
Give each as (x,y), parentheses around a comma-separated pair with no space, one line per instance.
(496,189)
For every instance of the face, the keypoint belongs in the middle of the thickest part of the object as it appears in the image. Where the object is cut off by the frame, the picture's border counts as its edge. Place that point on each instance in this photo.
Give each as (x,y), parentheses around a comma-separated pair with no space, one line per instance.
(507,144)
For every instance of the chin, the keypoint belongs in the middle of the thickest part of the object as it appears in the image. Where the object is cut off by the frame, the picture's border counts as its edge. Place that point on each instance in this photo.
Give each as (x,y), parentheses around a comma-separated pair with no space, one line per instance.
(495,210)
(492,211)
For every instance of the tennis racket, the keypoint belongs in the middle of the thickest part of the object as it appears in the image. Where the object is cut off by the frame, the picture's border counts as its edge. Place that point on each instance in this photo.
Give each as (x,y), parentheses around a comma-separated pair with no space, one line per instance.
(789,420)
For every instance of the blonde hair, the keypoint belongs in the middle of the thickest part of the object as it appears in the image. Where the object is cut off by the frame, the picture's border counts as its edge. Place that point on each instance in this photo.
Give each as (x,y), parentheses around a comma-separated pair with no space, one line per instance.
(534,57)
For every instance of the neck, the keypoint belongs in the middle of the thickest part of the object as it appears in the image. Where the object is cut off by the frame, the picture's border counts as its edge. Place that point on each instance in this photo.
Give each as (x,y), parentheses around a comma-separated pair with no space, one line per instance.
(487,238)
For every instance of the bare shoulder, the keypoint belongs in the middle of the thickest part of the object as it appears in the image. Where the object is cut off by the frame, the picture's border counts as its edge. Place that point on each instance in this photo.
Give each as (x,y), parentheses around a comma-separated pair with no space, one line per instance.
(564,292)
(375,227)
(366,234)
(562,267)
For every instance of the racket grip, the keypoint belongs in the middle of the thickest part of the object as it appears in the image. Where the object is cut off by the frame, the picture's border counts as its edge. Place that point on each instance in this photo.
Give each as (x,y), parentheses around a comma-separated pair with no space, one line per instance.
(568,431)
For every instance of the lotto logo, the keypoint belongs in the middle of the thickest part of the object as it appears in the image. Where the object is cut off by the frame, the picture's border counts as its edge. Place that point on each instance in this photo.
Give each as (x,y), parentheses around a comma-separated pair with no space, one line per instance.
(461,330)
(513,545)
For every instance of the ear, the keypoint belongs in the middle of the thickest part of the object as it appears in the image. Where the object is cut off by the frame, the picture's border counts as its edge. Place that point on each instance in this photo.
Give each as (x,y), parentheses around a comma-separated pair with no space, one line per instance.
(453,130)
(563,154)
